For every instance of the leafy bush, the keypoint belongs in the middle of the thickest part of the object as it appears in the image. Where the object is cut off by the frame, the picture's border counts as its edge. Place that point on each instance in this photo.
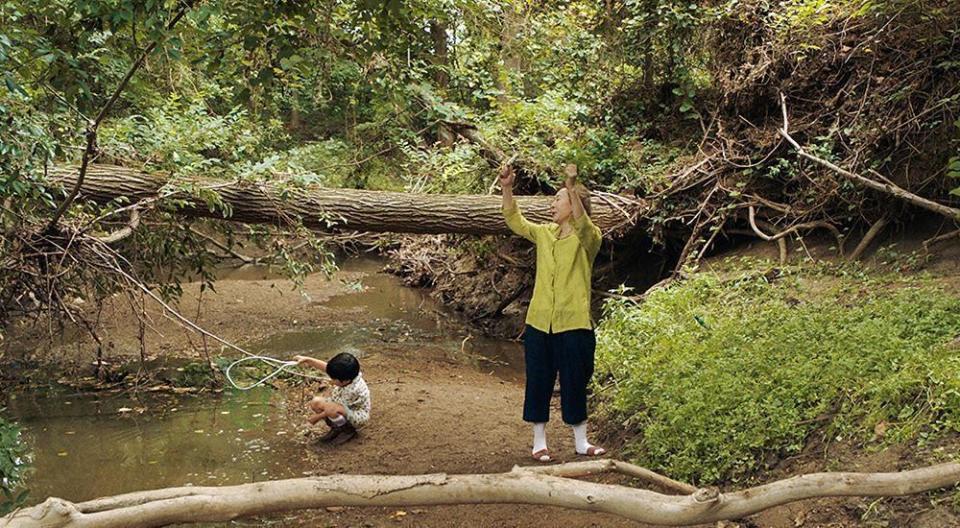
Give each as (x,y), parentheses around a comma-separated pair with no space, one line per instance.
(26,146)
(14,462)
(543,131)
(713,377)
(442,170)
(186,136)
(329,161)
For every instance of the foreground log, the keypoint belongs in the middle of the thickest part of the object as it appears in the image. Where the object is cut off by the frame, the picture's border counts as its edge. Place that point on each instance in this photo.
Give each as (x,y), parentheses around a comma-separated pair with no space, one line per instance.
(544,486)
(337,209)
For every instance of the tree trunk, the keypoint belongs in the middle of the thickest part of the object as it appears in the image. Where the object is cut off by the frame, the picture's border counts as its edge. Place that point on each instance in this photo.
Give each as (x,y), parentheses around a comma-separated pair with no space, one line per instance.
(542,485)
(511,62)
(331,209)
(438,32)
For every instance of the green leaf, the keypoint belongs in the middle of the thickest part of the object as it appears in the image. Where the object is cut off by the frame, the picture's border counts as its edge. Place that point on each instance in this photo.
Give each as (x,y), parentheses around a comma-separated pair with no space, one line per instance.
(12,86)
(953,168)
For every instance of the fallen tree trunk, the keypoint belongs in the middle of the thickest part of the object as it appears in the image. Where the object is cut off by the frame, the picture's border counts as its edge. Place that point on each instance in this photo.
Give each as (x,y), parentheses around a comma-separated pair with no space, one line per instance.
(545,486)
(328,209)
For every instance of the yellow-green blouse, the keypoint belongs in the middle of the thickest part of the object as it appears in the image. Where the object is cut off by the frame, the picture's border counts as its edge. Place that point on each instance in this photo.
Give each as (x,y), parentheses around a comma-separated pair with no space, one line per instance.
(561,291)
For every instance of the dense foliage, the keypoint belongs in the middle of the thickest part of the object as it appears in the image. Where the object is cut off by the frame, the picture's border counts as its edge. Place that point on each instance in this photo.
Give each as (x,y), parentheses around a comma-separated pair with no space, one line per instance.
(714,378)
(14,462)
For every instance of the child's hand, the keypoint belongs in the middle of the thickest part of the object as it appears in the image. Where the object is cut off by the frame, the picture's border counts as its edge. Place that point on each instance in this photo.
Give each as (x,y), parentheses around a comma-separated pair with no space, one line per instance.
(507,176)
(301,359)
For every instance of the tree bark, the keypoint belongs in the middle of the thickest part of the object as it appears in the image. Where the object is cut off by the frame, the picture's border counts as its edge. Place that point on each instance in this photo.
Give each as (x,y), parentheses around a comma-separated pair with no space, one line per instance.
(544,486)
(511,61)
(332,209)
(871,234)
(438,32)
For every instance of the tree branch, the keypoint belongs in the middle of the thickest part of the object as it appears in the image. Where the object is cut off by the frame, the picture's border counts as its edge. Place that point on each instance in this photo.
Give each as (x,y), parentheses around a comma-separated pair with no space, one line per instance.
(941,238)
(871,234)
(808,225)
(92,126)
(123,232)
(545,486)
(243,258)
(889,188)
(594,467)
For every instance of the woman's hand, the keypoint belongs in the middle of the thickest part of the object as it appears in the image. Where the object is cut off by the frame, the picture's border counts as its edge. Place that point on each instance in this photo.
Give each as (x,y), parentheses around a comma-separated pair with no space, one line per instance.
(570,171)
(507,177)
(576,206)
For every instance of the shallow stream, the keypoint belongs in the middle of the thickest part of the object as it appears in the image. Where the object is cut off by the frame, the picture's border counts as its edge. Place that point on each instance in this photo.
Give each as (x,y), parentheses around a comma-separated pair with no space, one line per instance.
(92,445)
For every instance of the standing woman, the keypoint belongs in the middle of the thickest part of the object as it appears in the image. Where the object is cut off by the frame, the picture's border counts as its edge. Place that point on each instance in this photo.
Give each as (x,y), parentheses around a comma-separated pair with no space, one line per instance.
(559,335)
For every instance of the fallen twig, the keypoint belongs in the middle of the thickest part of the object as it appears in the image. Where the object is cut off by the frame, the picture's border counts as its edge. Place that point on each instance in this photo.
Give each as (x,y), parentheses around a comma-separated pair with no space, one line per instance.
(941,238)
(124,231)
(871,234)
(808,225)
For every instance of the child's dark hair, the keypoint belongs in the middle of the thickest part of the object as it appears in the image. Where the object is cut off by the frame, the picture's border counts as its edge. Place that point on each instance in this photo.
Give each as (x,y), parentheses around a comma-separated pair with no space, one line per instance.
(343,367)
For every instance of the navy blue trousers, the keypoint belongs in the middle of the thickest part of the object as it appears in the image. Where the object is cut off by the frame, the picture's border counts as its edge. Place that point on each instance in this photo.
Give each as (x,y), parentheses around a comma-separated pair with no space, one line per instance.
(567,354)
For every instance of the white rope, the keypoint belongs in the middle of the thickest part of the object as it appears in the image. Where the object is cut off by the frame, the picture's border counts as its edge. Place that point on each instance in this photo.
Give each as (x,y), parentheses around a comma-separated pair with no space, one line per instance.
(280,367)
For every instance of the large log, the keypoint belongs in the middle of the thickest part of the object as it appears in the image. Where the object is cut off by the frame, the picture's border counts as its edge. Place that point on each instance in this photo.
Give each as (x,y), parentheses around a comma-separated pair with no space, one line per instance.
(543,486)
(329,209)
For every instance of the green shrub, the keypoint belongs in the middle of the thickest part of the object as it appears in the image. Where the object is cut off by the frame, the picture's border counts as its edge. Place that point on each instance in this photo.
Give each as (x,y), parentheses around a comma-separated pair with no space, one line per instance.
(187,137)
(454,170)
(14,462)
(713,377)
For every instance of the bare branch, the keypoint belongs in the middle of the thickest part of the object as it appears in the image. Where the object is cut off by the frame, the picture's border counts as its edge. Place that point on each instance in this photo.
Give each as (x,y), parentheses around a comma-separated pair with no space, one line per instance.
(871,234)
(793,229)
(123,232)
(243,258)
(889,188)
(781,242)
(92,126)
(536,486)
(941,238)
(593,467)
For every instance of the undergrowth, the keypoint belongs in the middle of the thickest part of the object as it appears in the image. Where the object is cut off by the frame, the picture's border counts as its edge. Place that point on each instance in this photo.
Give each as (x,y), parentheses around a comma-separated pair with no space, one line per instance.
(14,462)
(713,378)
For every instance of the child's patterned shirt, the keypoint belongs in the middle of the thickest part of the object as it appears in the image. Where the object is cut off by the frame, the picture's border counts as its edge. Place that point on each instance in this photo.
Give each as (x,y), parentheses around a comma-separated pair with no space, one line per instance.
(355,398)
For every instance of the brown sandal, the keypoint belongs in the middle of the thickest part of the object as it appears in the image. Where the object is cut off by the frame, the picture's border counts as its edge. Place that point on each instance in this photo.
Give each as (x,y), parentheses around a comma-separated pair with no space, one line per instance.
(594,451)
(542,456)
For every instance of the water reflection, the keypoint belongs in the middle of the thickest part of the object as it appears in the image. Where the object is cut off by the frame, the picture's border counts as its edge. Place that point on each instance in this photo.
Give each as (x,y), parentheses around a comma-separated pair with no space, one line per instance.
(87,446)
(90,446)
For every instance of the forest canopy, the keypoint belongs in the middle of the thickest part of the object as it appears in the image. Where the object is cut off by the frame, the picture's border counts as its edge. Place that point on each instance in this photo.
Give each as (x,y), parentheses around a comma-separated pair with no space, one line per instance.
(684,104)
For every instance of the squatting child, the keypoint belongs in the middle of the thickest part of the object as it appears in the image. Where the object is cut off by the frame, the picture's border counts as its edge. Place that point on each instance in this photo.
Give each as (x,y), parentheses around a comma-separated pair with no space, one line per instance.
(348,407)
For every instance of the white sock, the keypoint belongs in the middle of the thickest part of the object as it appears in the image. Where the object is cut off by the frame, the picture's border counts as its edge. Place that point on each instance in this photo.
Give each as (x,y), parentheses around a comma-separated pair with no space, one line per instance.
(580,438)
(338,421)
(539,436)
